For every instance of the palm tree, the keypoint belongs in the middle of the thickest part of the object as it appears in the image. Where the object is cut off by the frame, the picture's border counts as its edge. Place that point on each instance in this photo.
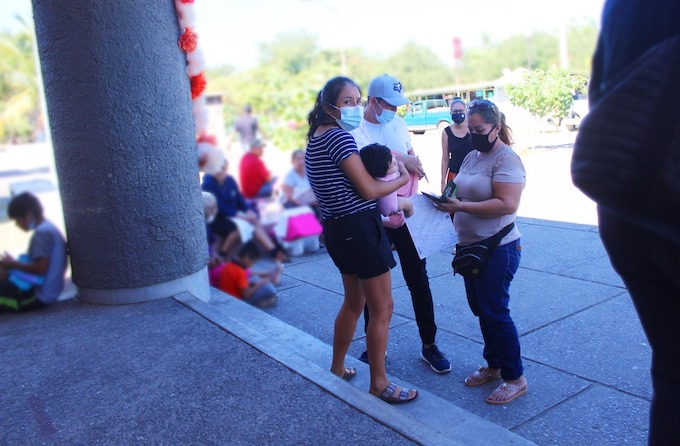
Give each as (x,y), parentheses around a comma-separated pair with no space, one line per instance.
(19,110)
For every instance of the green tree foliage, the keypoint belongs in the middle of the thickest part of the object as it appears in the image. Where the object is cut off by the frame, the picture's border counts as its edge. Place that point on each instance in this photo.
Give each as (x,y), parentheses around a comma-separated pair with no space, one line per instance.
(19,111)
(545,93)
(292,69)
(282,88)
(417,67)
(582,38)
(538,50)
(291,53)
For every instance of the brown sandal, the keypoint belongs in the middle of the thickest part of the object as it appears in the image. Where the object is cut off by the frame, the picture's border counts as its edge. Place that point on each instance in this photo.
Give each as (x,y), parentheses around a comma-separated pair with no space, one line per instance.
(347,374)
(509,392)
(390,395)
(482,376)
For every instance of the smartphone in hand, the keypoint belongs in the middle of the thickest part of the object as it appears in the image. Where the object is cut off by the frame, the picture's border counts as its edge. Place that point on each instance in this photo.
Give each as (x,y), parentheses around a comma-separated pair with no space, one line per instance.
(433,198)
(449,192)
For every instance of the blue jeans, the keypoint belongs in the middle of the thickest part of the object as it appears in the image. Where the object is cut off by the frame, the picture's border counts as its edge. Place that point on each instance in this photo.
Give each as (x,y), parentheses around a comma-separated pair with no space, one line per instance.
(266,190)
(488,296)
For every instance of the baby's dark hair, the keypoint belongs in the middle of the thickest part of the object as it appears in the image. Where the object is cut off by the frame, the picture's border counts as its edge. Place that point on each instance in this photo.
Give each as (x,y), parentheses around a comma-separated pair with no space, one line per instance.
(251,250)
(377,159)
(20,205)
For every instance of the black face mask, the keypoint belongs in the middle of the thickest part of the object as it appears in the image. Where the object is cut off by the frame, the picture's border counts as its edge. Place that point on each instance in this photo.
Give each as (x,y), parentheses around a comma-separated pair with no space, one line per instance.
(481,142)
(458,118)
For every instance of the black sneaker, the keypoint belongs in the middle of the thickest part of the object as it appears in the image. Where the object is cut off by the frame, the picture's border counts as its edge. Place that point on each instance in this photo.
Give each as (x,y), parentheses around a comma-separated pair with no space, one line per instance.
(364,357)
(435,359)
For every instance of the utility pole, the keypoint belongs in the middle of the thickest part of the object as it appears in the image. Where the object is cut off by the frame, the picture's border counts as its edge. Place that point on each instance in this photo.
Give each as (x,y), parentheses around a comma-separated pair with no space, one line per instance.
(564,52)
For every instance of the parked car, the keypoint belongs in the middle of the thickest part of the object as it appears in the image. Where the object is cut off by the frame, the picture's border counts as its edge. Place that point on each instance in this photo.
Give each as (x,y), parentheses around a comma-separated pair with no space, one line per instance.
(428,114)
(578,110)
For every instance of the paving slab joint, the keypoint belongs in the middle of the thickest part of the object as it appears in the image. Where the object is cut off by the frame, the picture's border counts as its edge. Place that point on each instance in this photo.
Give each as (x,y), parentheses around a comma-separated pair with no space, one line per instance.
(430,420)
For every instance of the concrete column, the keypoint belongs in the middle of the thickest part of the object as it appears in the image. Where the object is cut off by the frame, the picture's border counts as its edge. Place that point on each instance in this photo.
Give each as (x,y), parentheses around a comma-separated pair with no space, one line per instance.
(119,107)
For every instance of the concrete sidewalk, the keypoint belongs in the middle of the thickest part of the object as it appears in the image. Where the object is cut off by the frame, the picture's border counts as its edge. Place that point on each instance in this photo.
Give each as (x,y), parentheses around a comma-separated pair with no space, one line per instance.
(585,355)
(181,371)
(158,373)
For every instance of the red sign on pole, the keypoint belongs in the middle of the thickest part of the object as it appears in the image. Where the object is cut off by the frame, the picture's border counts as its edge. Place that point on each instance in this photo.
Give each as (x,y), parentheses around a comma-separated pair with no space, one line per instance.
(457,49)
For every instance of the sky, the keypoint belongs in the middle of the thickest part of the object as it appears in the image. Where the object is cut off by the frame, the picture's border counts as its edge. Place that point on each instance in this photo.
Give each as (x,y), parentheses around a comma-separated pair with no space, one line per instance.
(229,31)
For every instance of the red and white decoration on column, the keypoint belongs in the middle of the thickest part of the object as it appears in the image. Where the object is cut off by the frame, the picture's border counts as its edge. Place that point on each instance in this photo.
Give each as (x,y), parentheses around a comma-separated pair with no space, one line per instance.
(209,156)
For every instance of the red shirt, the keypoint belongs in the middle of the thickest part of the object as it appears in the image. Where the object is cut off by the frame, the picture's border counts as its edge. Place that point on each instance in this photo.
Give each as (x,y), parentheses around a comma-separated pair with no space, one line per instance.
(233,279)
(253,174)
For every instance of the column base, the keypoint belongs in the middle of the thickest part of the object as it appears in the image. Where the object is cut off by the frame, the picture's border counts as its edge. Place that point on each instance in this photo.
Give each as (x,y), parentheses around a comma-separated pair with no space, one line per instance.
(197,284)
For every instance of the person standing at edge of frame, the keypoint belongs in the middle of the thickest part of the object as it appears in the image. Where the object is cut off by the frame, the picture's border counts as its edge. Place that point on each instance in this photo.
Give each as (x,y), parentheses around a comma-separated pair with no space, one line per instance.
(646,260)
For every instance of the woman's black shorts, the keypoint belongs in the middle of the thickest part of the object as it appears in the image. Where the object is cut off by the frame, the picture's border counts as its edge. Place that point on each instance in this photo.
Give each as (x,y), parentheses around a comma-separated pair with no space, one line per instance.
(358,244)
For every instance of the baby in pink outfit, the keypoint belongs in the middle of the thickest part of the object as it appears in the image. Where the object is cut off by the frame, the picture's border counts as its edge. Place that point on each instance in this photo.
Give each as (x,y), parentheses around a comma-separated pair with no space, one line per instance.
(382,165)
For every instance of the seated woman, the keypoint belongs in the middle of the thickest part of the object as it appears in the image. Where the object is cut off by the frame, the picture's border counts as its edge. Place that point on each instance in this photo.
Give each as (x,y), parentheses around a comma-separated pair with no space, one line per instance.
(233,211)
(217,244)
(296,188)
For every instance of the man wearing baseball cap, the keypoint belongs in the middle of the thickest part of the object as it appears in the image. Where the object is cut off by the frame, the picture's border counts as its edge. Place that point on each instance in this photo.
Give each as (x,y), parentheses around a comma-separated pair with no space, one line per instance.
(382,125)
(389,89)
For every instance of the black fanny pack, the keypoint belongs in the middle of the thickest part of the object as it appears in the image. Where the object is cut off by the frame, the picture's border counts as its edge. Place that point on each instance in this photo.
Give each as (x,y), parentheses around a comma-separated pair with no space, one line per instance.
(470,260)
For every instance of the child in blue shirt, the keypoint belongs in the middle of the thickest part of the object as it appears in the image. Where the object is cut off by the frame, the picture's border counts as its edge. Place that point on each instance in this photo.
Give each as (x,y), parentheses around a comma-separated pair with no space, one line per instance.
(35,279)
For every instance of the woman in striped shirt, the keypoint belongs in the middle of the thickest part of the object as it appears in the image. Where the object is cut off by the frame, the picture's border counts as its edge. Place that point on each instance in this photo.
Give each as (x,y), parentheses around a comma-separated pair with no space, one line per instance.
(353,230)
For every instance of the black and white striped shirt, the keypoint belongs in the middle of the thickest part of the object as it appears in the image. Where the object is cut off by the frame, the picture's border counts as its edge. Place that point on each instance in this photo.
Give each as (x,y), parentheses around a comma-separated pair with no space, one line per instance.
(334,191)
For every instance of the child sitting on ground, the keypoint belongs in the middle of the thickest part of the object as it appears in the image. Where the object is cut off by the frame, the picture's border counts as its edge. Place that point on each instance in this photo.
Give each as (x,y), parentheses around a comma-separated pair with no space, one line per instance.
(253,287)
(382,165)
(36,279)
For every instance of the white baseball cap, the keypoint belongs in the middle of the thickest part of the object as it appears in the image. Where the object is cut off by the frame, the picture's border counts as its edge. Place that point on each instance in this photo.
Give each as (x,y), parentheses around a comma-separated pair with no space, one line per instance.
(389,89)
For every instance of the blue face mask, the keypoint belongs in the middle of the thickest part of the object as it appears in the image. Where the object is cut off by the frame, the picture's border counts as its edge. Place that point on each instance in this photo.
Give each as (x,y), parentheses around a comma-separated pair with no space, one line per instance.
(385,116)
(350,117)
(458,118)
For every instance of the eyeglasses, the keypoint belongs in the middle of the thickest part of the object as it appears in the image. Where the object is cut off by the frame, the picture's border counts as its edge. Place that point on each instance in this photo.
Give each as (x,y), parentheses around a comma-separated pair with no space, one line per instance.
(482,104)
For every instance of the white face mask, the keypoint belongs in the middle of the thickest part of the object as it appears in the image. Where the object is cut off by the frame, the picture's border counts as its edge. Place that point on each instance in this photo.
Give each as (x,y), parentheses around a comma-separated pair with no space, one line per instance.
(350,117)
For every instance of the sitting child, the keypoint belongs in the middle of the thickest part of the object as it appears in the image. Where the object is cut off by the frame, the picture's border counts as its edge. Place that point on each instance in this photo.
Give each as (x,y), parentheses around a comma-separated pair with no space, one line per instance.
(36,279)
(255,288)
(382,165)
